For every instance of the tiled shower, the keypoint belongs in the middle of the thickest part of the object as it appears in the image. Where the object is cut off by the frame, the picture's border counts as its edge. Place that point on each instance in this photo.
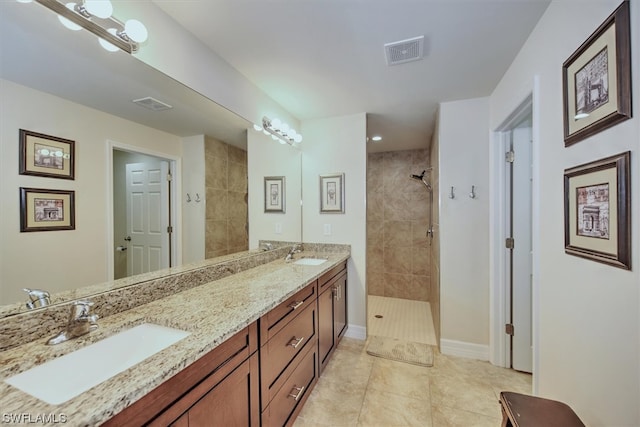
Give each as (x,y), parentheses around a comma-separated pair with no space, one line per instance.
(398,250)
(226,211)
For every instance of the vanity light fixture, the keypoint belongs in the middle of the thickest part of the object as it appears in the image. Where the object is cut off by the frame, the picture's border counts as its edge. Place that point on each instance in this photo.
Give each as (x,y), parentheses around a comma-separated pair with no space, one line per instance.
(96,16)
(279,131)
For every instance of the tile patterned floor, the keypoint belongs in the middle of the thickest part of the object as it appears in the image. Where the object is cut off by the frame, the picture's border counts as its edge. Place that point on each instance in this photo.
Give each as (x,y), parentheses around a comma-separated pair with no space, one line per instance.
(401,318)
(360,390)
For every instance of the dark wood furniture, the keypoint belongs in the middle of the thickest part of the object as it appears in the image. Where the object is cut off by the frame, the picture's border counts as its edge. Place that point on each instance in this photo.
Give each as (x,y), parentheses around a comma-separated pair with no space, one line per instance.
(520,410)
(332,311)
(263,375)
(219,389)
(288,356)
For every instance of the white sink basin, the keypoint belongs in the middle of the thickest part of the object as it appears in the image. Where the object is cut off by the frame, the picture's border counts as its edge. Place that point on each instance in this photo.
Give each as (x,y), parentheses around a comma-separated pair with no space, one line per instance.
(310,261)
(68,376)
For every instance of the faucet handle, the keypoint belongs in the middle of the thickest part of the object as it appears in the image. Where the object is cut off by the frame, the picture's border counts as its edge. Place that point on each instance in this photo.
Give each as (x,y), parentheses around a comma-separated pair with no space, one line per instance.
(37,297)
(80,309)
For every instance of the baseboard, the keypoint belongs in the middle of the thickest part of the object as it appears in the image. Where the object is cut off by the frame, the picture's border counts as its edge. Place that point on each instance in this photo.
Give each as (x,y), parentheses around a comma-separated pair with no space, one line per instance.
(464,349)
(356,332)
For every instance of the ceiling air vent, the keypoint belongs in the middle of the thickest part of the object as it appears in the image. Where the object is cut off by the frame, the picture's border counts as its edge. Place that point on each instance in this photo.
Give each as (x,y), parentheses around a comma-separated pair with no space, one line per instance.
(152,104)
(404,50)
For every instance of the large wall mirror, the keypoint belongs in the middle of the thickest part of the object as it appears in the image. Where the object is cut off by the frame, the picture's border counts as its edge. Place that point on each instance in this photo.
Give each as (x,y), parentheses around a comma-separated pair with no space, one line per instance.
(62,83)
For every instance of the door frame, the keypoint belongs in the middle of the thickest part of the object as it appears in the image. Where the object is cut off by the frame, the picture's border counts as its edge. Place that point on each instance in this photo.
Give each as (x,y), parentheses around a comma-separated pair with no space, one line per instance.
(498,280)
(174,204)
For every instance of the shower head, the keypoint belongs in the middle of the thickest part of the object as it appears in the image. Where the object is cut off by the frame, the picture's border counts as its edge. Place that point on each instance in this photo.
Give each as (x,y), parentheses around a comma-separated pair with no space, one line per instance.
(420,177)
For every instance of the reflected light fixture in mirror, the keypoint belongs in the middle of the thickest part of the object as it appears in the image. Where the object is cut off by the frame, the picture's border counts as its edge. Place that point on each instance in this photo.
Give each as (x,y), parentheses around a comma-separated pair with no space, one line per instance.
(279,131)
(96,16)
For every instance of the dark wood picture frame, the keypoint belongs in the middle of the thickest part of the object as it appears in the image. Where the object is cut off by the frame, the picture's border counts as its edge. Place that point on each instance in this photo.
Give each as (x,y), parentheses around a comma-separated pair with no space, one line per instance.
(596,79)
(46,155)
(47,210)
(597,211)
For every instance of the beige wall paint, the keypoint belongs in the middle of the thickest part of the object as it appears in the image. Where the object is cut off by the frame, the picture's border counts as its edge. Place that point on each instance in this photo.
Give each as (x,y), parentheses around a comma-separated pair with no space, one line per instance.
(463,152)
(61,260)
(586,314)
(398,251)
(338,145)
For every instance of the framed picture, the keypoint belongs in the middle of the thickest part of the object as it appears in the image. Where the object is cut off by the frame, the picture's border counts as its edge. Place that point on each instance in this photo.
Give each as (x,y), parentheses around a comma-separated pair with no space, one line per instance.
(47,210)
(274,194)
(597,211)
(332,193)
(46,155)
(597,80)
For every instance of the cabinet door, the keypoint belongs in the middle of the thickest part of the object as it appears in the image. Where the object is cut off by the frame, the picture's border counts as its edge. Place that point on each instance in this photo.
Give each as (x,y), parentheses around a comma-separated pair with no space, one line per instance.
(340,307)
(233,402)
(325,326)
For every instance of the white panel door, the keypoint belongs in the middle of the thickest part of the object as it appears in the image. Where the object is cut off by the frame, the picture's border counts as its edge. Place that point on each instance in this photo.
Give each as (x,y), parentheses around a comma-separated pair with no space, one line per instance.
(147,216)
(522,358)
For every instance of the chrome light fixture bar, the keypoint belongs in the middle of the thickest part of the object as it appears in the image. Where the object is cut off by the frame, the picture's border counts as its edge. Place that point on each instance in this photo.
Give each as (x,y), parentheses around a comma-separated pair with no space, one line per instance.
(279,131)
(106,28)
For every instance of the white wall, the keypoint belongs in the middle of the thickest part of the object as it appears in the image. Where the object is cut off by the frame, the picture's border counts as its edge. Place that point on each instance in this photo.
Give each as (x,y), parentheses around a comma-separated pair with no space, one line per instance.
(61,260)
(193,213)
(173,50)
(588,313)
(464,227)
(266,157)
(331,145)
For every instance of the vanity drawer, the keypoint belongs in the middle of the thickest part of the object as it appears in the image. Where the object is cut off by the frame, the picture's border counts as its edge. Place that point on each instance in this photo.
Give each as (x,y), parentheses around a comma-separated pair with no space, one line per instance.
(297,336)
(325,280)
(289,398)
(272,322)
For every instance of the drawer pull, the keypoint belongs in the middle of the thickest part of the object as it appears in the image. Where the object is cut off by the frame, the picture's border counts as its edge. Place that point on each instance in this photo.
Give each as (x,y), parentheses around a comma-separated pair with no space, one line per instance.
(295,342)
(297,395)
(295,305)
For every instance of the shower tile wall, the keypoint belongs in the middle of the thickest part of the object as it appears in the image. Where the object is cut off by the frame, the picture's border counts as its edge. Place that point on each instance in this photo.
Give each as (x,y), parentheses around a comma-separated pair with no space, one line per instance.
(398,253)
(226,211)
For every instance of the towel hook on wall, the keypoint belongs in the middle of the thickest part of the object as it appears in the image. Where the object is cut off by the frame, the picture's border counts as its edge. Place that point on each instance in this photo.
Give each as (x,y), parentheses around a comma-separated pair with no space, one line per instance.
(473,192)
(452,195)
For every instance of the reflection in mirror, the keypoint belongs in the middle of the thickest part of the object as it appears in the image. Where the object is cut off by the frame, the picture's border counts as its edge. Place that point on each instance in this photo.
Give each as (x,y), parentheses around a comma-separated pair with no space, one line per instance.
(61,83)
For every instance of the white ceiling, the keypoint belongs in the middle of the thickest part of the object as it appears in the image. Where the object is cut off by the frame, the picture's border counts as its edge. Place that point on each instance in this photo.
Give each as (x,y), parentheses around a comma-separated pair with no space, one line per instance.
(322,58)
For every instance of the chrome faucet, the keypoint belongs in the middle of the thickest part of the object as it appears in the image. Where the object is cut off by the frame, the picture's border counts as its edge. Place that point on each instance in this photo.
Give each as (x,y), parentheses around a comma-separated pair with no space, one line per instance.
(297,248)
(266,246)
(80,323)
(37,298)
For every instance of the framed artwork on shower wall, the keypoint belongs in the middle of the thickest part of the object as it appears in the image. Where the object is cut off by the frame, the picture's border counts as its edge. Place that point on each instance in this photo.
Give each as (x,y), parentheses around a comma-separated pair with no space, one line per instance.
(332,193)
(597,211)
(274,194)
(596,79)
(46,155)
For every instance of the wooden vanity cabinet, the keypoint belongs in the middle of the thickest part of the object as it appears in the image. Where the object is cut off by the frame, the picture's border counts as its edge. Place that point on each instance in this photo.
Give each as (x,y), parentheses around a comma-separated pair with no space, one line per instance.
(288,356)
(332,311)
(219,389)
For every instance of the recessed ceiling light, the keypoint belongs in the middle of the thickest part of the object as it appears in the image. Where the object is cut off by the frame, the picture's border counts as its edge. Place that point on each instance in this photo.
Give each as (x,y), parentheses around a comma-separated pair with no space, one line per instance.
(376,138)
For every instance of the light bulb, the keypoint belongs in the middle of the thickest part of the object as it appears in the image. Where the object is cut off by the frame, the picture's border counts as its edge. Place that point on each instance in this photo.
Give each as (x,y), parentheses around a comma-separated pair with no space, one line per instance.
(23,1)
(66,22)
(282,141)
(581,116)
(58,153)
(106,45)
(136,30)
(44,152)
(257,128)
(298,138)
(265,132)
(285,128)
(100,8)
(276,123)
(275,138)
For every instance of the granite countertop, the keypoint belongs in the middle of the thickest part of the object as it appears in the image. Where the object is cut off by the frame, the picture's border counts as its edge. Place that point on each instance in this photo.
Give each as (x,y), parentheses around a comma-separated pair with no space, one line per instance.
(212,313)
